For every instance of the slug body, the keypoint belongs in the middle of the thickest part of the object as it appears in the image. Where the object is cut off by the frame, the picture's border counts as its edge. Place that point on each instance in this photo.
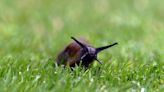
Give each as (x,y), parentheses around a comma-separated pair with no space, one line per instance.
(78,52)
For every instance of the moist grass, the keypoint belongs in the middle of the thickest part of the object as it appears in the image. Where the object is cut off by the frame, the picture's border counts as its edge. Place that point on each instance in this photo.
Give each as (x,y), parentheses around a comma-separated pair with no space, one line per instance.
(32,33)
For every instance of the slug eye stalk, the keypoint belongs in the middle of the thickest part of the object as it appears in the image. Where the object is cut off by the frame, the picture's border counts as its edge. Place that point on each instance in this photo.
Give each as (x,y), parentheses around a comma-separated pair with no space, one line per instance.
(104,47)
(78,42)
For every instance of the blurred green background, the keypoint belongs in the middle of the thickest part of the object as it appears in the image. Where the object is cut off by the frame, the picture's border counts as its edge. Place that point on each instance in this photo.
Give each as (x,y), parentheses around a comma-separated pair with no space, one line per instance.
(37,30)
(45,26)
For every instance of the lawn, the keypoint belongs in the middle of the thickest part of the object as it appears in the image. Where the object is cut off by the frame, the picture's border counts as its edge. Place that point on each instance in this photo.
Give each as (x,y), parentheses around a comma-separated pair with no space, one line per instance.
(32,32)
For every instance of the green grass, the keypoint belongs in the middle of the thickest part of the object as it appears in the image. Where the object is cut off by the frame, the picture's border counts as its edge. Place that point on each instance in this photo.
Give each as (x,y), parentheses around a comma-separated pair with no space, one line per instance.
(32,32)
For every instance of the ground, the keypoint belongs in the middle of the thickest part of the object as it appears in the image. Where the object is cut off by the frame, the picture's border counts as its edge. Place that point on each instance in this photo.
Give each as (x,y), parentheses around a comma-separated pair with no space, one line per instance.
(32,32)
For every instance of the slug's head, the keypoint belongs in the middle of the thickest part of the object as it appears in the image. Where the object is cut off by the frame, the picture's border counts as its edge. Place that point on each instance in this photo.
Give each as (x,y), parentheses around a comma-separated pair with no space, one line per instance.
(91,52)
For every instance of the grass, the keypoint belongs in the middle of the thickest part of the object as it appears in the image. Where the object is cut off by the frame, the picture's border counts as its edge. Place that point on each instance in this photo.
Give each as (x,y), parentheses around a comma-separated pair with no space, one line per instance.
(32,32)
